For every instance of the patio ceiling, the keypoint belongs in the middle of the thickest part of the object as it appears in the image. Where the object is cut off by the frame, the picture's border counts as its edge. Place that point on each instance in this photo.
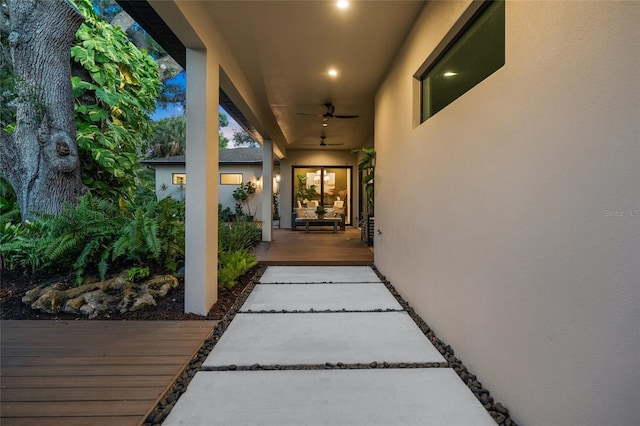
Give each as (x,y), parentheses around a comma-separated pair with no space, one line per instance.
(286,49)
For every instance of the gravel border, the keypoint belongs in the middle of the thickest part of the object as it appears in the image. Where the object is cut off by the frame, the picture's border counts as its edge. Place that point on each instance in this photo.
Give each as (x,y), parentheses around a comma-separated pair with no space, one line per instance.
(497,410)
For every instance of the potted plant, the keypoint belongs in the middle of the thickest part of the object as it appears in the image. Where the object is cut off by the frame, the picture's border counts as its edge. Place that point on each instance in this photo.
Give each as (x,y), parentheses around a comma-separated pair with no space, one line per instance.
(241,195)
(367,165)
(321,211)
(302,192)
(276,210)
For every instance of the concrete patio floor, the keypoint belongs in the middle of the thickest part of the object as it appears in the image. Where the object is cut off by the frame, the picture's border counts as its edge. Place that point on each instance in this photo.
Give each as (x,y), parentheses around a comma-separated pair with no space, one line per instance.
(279,326)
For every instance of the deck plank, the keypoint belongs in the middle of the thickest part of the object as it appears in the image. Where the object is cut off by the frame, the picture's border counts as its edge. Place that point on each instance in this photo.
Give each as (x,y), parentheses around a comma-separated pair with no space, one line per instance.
(72,421)
(91,372)
(320,248)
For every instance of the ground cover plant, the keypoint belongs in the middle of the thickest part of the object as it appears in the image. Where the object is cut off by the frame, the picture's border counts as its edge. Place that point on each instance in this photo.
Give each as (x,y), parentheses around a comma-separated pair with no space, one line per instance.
(235,240)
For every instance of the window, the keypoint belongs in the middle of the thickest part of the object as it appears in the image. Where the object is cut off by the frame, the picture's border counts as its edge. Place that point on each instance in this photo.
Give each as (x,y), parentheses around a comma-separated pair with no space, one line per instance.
(473,50)
(230,178)
(179,178)
(325,185)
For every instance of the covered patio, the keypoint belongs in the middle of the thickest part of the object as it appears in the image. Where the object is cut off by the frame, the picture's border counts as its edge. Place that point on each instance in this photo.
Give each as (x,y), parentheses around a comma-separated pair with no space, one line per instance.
(508,216)
(316,248)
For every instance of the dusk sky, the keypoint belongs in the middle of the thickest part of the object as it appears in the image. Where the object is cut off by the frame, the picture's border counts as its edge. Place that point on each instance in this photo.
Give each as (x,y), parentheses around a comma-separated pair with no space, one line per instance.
(176,109)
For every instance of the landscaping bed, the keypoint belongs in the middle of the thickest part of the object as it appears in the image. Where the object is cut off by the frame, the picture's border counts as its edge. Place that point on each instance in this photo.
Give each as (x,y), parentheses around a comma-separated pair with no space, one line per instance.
(13,287)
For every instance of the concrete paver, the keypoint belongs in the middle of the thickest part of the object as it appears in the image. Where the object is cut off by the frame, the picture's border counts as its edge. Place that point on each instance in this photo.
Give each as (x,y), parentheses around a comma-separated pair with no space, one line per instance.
(434,396)
(323,397)
(319,274)
(322,337)
(319,297)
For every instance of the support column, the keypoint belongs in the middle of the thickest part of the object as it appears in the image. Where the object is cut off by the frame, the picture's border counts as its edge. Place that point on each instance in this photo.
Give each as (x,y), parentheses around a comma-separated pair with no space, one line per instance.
(201,269)
(267,189)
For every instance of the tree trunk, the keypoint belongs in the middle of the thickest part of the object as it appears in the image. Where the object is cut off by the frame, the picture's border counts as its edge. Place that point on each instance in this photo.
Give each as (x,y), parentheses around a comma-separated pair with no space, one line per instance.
(40,159)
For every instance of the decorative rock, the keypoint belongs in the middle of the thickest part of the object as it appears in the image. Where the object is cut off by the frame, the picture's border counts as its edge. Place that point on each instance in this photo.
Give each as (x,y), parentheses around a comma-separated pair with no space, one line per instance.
(501,409)
(92,299)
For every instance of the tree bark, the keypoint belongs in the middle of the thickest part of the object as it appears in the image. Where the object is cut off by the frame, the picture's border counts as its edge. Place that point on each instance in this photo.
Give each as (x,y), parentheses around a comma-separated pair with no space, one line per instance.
(40,159)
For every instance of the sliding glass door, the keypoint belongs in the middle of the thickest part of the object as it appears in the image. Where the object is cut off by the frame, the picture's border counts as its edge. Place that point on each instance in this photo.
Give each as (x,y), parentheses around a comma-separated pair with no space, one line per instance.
(324,185)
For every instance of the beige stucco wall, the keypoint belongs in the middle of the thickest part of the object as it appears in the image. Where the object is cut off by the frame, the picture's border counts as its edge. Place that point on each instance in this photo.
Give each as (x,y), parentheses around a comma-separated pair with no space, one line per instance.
(522,245)
(313,158)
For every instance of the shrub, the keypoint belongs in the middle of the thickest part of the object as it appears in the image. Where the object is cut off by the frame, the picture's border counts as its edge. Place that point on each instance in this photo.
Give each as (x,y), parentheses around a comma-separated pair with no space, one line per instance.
(225,215)
(238,235)
(233,265)
(97,235)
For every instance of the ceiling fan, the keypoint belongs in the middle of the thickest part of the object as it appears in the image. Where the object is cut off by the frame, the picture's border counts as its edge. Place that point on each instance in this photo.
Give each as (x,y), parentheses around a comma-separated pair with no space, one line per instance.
(330,113)
(323,143)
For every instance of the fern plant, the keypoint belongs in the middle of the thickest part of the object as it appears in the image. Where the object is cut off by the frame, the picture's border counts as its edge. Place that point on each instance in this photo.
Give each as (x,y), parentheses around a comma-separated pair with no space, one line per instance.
(84,234)
(233,265)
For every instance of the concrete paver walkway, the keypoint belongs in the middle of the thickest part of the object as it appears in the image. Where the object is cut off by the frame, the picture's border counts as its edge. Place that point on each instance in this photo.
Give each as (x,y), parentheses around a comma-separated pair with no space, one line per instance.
(280,325)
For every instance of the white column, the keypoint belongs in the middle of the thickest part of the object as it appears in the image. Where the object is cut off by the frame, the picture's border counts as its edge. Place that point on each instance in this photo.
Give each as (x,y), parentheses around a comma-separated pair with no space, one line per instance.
(267,189)
(201,275)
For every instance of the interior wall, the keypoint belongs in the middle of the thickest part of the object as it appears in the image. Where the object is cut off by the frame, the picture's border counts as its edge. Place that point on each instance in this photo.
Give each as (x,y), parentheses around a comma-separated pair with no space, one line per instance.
(510,219)
(312,158)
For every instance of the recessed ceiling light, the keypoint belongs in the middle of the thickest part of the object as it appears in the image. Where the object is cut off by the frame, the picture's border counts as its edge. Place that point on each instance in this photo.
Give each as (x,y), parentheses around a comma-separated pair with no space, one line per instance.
(333,72)
(450,74)
(343,4)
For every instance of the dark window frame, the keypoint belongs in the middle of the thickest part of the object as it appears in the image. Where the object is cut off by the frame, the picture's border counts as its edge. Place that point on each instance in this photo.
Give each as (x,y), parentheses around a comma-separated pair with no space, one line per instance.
(469,17)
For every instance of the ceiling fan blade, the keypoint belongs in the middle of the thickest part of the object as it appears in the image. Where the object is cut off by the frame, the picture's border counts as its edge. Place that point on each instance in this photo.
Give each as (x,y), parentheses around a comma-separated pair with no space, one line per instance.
(346,116)
(312,115)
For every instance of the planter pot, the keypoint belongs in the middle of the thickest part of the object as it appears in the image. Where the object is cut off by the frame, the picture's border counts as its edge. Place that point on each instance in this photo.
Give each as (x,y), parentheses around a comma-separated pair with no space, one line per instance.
(320,216)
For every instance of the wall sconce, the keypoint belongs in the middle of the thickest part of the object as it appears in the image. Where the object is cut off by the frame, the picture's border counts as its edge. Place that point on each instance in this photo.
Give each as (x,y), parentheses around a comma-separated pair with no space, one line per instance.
(277,178)
(259,183)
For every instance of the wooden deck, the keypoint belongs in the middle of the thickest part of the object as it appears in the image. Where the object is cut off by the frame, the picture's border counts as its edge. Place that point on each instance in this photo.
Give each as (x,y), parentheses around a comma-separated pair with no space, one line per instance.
(91,372)
(319,247)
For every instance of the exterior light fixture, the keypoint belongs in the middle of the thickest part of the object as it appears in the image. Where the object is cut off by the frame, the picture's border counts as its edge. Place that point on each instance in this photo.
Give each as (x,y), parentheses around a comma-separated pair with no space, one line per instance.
(450,74)
(333,72)
(278,178)
(342,4)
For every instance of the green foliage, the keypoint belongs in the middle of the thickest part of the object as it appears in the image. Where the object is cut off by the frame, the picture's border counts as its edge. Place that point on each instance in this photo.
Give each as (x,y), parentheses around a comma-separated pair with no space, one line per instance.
(241,194)
(9,210)
(276,205)
(243,139)
(223,121)
(113,99)
(233,265)
(169,137)
(302,192)
(136,274)
(238,235)
(7,83)
(98,235)
(20,246)
(224,215)
(367,165)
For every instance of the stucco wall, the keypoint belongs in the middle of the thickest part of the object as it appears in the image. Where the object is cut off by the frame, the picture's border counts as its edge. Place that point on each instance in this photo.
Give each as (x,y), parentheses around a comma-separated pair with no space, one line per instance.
(225,192)
(313,158)
(164,186)
(516,233)
(249,174)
